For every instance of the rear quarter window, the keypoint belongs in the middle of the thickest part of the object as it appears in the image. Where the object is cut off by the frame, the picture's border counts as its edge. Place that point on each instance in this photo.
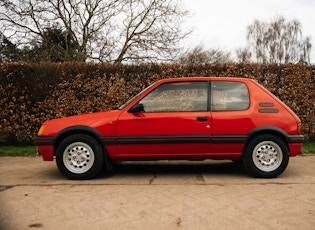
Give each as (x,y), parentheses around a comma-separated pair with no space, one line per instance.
(229,96)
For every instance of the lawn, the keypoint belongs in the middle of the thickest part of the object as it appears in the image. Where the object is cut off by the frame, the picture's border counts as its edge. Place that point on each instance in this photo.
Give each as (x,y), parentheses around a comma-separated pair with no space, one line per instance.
(18,151)
(309,147)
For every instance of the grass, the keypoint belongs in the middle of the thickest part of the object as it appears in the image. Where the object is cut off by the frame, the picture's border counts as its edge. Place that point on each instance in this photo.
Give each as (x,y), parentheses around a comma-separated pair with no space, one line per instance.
(308,148)
(18,151)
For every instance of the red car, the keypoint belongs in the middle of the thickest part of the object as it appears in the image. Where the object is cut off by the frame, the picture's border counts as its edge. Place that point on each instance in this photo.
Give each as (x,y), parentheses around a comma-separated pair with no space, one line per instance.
(179,118)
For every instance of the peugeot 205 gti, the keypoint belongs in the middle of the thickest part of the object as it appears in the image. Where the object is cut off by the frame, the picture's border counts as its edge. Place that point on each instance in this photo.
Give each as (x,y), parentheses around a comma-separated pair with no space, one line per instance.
(179,118)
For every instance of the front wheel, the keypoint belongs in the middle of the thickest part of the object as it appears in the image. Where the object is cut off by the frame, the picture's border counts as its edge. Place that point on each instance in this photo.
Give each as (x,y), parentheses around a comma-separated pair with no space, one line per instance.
(266,156)
(79,157)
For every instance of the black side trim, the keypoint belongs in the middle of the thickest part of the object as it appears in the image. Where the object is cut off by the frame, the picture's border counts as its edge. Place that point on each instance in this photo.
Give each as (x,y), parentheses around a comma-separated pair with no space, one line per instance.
(228,139)
(39,141)
(109,140)
(177,139)
(163,139)
(216,139)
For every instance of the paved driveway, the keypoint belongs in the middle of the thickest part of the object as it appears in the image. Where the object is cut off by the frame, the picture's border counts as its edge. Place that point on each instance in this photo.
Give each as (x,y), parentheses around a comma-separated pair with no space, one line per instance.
(156,195)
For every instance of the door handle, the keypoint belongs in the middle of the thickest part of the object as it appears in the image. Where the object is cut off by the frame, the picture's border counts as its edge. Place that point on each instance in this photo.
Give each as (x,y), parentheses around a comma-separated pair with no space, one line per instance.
(202,118)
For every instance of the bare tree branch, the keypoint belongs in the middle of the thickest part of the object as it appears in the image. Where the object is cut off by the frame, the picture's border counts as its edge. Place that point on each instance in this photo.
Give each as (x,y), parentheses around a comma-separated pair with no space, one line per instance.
(199,55)
(104,30)
(280,41)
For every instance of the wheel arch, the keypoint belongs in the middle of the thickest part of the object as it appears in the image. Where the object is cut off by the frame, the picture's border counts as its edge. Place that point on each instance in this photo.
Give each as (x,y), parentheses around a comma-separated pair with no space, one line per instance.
(267,130)
(81,130)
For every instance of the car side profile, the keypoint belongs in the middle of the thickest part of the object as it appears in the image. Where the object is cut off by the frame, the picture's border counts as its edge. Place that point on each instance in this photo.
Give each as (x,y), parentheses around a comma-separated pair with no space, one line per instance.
(194,118)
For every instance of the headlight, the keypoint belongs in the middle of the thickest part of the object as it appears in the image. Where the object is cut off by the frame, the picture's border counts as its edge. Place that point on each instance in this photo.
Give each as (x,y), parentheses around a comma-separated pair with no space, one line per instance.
(41,130)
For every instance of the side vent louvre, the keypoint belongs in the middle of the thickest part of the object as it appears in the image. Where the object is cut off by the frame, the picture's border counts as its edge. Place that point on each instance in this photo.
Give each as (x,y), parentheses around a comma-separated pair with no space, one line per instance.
(267,107)
(266,104)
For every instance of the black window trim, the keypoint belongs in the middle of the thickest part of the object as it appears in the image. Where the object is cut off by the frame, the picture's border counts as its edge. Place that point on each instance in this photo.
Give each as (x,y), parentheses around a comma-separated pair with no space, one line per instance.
(210,98)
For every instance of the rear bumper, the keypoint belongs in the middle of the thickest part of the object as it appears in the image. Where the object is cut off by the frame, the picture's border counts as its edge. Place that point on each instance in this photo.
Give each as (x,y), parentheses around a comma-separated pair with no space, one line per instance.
(295,149)
(295,144)
(295,139)
(45,147)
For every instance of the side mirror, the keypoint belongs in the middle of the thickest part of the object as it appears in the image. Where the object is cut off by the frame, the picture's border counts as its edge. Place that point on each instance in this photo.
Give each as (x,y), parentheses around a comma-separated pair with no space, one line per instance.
(136,108)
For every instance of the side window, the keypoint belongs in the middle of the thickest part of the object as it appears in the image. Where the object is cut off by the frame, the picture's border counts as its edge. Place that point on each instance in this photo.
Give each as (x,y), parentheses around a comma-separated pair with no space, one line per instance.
(177,97)
(229,96)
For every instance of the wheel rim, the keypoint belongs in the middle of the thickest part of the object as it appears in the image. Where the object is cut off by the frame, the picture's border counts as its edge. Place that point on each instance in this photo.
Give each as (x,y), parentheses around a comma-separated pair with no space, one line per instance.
(78,157)
(267,156)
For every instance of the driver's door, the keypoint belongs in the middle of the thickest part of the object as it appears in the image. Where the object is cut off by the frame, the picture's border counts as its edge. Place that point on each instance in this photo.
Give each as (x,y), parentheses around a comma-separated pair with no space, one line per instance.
(175,121)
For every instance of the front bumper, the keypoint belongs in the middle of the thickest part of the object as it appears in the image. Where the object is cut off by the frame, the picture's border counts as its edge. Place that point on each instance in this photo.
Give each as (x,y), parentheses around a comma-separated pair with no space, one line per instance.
(45,147)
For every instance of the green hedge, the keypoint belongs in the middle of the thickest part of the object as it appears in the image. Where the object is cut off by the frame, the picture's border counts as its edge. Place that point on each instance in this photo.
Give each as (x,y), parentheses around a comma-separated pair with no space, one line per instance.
(32,93)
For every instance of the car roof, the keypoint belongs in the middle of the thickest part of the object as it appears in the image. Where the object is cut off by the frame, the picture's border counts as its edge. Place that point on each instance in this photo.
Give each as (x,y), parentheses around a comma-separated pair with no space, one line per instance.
(201,78)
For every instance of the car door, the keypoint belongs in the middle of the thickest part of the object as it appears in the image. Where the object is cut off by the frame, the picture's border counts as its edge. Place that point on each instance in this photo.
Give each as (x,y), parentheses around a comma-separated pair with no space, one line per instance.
(175,121)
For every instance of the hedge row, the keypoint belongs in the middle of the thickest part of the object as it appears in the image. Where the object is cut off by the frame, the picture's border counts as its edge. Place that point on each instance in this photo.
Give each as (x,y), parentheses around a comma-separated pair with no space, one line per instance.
(32,93)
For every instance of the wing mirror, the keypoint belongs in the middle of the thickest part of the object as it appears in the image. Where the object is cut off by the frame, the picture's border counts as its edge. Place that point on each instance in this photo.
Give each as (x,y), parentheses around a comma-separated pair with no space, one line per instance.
(136,108)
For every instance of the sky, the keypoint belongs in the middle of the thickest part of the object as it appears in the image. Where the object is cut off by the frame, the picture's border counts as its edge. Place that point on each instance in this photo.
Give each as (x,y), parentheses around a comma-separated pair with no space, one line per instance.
(223,23)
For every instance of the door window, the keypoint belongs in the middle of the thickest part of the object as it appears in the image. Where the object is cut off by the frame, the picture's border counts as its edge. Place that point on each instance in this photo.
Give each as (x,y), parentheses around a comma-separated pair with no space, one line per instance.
(177,97)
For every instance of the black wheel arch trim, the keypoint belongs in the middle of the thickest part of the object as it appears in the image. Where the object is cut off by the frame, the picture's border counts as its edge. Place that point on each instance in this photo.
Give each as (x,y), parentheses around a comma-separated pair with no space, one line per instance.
(81,129)
(52,140)
(77,129)
(296,138)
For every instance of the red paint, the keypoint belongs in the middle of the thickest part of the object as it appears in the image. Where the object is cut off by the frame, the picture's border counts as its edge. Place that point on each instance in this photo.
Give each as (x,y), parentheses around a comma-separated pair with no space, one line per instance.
(179,135)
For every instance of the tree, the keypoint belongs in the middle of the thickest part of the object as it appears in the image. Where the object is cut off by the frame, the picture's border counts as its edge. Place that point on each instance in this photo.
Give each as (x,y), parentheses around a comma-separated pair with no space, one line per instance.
(8,51)
(53,46)
(105,30)
(56,46)
(279,41)
(243,55)
(199,55)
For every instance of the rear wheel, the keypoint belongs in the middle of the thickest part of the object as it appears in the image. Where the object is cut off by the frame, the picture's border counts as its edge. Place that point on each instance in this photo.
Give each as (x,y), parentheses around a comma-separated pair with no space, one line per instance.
(79,157)
(266,156)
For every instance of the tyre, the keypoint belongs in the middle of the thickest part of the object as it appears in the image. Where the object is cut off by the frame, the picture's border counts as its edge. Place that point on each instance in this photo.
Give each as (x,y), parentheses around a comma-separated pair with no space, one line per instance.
(266,156)
(79,157)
